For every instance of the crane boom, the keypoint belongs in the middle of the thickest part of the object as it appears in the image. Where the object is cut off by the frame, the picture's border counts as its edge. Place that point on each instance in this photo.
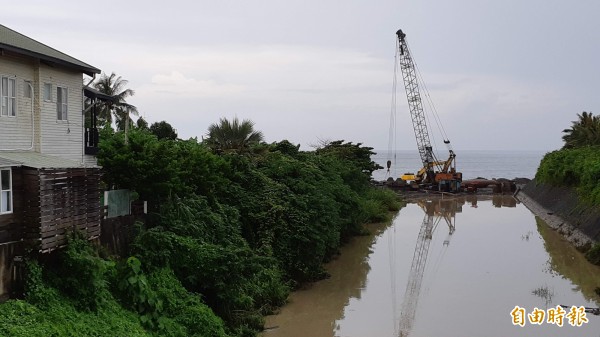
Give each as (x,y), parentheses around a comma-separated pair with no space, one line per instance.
(415,103)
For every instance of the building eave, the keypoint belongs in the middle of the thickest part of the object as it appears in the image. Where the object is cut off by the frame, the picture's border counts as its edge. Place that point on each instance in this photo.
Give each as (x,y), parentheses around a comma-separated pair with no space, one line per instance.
(52,61)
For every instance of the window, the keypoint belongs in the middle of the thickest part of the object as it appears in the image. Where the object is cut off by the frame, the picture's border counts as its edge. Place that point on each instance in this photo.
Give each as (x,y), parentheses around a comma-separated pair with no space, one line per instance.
(5,191)
(27,89)
(61,103)
(8,93)
(47,92)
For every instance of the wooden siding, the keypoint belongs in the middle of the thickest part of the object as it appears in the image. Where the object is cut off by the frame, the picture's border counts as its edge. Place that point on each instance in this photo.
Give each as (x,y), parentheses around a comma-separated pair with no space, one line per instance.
(58,202)
(10,273)
(51,136)
(10,224)
(89,160)
(15,132)
(62,138)
(11,235)
(117,234)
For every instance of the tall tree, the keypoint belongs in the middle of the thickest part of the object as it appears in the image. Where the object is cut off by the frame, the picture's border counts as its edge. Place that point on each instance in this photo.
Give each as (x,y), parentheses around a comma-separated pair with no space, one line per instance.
(115,86)
(142,124)
(583,132)
(163,130)
(233,136)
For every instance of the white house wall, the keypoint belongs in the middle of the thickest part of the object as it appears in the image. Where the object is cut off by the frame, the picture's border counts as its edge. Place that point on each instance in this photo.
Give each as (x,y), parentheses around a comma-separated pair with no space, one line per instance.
(51,136)
(15,132)
(62,138)
(90,161)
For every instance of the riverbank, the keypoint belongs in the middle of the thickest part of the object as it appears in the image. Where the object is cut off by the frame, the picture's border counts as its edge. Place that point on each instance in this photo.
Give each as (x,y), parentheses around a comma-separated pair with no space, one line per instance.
(562,210)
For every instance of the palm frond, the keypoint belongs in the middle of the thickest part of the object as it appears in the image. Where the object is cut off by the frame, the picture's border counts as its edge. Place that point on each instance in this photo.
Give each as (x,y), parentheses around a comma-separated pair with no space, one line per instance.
(114,86)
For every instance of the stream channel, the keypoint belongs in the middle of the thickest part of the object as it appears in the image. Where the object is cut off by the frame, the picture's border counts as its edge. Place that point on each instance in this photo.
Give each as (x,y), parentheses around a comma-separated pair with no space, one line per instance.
(447,267)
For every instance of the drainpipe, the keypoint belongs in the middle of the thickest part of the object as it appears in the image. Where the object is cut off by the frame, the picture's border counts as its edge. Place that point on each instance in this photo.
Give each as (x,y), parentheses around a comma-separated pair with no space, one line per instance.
(83,119)
(32,122)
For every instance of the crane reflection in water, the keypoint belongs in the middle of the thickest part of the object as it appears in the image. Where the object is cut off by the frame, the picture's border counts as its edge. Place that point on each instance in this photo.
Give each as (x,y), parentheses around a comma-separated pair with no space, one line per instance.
(437,210)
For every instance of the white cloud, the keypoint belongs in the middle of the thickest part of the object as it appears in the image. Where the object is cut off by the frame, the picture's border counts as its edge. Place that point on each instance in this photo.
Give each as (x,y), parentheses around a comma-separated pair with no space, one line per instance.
(175,84)
(276,67)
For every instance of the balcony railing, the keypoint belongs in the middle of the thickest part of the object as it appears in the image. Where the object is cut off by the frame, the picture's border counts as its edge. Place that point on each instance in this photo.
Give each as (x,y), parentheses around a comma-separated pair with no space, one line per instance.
(91,141)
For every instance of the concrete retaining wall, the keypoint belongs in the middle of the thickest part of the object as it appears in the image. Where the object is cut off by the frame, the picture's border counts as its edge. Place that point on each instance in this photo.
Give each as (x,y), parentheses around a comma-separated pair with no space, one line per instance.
(563,204)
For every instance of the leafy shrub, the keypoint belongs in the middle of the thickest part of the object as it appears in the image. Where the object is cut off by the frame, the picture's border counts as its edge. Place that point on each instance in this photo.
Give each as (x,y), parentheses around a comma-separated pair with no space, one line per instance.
(593,255)
(185,308)
(578,168)
(47,312)
(138,293)
(193,216)
(377,205)
(232,279)
(81,274)
(37,291)
(157,169)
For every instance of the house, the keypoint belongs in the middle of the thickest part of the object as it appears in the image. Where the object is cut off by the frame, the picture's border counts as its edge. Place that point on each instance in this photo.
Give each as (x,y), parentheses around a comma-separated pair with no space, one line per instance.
(49,178)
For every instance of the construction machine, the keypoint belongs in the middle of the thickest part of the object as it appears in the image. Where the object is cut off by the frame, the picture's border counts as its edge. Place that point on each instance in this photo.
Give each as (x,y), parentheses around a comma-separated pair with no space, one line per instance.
(435,174)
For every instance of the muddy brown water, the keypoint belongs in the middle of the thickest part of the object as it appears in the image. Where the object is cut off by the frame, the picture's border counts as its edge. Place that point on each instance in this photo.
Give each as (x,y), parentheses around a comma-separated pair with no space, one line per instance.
(474,261)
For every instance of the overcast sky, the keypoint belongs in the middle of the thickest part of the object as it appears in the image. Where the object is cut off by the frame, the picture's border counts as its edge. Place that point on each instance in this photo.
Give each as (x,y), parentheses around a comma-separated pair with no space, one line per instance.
(504,75)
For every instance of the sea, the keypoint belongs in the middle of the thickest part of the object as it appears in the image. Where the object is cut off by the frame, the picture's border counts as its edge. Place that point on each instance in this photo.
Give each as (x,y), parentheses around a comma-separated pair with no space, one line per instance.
(473,164)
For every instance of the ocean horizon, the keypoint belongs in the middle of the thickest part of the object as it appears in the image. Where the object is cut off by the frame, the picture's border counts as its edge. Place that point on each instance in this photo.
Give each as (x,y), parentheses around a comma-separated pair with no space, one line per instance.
(472,163)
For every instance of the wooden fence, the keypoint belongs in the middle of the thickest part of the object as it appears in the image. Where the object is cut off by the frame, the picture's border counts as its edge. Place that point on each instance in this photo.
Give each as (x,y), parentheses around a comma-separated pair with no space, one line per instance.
(58,201)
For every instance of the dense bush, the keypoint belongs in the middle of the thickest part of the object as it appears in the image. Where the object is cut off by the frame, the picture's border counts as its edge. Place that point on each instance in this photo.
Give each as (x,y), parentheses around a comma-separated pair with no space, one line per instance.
(232,279)
(578,168)
(46,310)
(61,319)
(157,169)
(81,274)
(228,235)
(185,308)
(129,301)
(593,255)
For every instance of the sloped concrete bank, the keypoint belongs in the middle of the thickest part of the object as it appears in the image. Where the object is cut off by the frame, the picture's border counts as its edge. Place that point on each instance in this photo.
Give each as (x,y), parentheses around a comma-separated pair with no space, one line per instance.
(562,210)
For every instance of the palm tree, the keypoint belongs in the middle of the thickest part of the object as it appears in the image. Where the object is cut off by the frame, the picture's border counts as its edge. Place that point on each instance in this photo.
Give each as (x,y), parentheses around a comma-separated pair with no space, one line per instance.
(584,132)
(234,136)
(114,85)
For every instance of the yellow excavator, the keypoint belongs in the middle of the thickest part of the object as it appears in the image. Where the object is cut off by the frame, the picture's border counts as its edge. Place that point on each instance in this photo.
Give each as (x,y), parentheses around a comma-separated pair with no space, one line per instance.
(435,174)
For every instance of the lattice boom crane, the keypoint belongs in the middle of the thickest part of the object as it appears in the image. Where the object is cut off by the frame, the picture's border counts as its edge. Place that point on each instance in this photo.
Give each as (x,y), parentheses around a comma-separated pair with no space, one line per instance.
(438,174)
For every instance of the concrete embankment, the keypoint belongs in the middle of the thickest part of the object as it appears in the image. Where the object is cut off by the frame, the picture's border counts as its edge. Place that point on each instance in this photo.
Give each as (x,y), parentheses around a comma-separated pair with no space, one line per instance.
(561,209)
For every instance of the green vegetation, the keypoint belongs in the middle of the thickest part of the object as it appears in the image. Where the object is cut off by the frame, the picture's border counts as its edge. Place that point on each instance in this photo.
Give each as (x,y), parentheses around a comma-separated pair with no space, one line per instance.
(593,255)
(113,85)
(584,132)
(578,168)
(79,293)
(233,136)
(162,130)
(577,165)
(231,230)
